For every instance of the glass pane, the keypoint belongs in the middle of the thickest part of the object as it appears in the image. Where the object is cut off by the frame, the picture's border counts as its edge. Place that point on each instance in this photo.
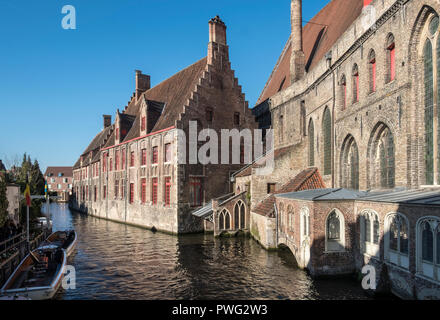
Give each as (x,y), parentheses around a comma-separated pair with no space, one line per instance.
(427,243)
(327,124)
(429,114)
(403,237)
(394,235)
(433,26)
(242,216)
(438,245)
(376,231)
(311,144)
(367,229)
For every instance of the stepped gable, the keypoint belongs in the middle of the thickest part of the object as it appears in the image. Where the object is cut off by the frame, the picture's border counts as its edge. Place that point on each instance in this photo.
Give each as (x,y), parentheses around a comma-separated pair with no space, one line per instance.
(173,94)
(98,141)
(306,180)
(319,35)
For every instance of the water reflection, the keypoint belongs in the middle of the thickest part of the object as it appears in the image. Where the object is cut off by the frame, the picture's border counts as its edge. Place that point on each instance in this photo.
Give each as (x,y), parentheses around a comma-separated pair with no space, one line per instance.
(115,261)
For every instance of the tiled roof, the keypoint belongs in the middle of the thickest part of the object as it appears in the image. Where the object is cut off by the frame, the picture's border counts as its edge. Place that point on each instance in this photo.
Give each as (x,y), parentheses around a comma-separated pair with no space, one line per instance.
(319,35)
(98,141)
(55,171)
(306,180)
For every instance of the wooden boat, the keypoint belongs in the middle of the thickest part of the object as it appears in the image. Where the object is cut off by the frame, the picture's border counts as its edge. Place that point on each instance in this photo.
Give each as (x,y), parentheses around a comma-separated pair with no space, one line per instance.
(63,239)
(39,275)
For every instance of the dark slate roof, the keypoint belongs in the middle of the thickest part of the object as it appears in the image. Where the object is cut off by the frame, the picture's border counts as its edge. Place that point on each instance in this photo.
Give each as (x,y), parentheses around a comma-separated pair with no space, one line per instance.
(323,195)
(306,180)
(417,197)
(319,35)
(98,142)
(54,171)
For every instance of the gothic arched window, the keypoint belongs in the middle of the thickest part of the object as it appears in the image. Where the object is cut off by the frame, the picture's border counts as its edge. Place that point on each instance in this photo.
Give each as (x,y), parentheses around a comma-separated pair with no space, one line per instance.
(291,218)
(381,158)
(429,113)
(239,215)
(355,83)
(343,93)
(372,70)
(335,232)
(350,164)
(311,143)
(397,240)
(391,58)
(327,136)
(224,220)
(369,220)
(428,247)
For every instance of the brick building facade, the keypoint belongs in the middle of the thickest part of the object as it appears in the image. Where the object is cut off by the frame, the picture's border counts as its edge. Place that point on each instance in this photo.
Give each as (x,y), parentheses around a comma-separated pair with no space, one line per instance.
(355,95)
(134,170)
(60,180)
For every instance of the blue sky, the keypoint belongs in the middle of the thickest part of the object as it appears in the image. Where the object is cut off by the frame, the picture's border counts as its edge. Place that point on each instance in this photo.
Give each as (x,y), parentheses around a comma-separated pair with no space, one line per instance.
(55,84)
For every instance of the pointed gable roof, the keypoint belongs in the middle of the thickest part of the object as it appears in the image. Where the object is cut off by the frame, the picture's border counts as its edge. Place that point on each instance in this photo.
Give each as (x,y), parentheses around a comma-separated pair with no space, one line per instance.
(319,35)
(173,93)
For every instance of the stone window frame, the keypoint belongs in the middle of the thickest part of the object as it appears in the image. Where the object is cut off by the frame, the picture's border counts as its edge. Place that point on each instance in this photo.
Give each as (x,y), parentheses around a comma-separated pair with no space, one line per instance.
(427,269)
(349,163)
(290,219)
(398,258)
(390,47)
(305,224)
(281,221)
(355,84)
(240,213)
(339,244)
(372,71)
(343,92)
(369,247)
(223,217)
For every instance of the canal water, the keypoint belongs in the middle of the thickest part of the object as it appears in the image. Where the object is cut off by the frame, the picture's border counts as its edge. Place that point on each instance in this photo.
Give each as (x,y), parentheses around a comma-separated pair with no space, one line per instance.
(116,261)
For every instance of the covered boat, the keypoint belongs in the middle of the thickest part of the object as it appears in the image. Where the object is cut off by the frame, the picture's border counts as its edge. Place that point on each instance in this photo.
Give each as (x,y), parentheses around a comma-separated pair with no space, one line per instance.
(63,239)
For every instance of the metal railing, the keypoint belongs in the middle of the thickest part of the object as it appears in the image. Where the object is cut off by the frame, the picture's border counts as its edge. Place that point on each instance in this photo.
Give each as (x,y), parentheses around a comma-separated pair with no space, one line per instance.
(12,243)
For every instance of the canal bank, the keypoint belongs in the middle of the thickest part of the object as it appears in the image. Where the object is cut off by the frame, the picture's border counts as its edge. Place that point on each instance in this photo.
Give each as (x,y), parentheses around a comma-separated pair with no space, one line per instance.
(118,261)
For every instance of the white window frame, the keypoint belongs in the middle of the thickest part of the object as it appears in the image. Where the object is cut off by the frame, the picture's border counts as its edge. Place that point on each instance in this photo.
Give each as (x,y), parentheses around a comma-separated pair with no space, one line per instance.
(369,248)
(425,268)
(304,221)
(334,246)
(395,257)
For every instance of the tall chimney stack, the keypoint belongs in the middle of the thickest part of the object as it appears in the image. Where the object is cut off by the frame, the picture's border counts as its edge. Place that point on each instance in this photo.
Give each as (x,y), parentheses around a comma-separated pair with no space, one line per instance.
(217,41)
(142,83)
(107,120)
(297,60)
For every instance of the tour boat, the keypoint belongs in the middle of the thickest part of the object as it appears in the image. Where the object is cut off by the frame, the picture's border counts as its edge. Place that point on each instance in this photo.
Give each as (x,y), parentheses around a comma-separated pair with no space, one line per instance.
(39,275)
(63,239)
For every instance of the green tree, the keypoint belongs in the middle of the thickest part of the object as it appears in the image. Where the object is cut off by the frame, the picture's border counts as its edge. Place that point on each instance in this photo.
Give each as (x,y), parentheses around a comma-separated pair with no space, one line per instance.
(3,202)
(36,179)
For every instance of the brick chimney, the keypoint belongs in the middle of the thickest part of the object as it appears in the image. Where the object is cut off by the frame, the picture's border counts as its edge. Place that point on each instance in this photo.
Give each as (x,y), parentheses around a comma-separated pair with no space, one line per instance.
(297,60)
(107,120)
(142,83)
(217,46)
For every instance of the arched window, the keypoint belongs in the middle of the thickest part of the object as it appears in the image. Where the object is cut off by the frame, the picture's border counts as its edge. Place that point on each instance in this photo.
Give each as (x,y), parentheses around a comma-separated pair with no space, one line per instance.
(428,247)
(369,226)
(281,128)
(397,240)
(355,83)
(305,224)
(391,58)
(224,220)
(350,164)
(291,218)
(429,113)
(311,143)
(372,70)
(343,93)
(239,215)
(327,136)
(381,160)
(335,231)
(281,216)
